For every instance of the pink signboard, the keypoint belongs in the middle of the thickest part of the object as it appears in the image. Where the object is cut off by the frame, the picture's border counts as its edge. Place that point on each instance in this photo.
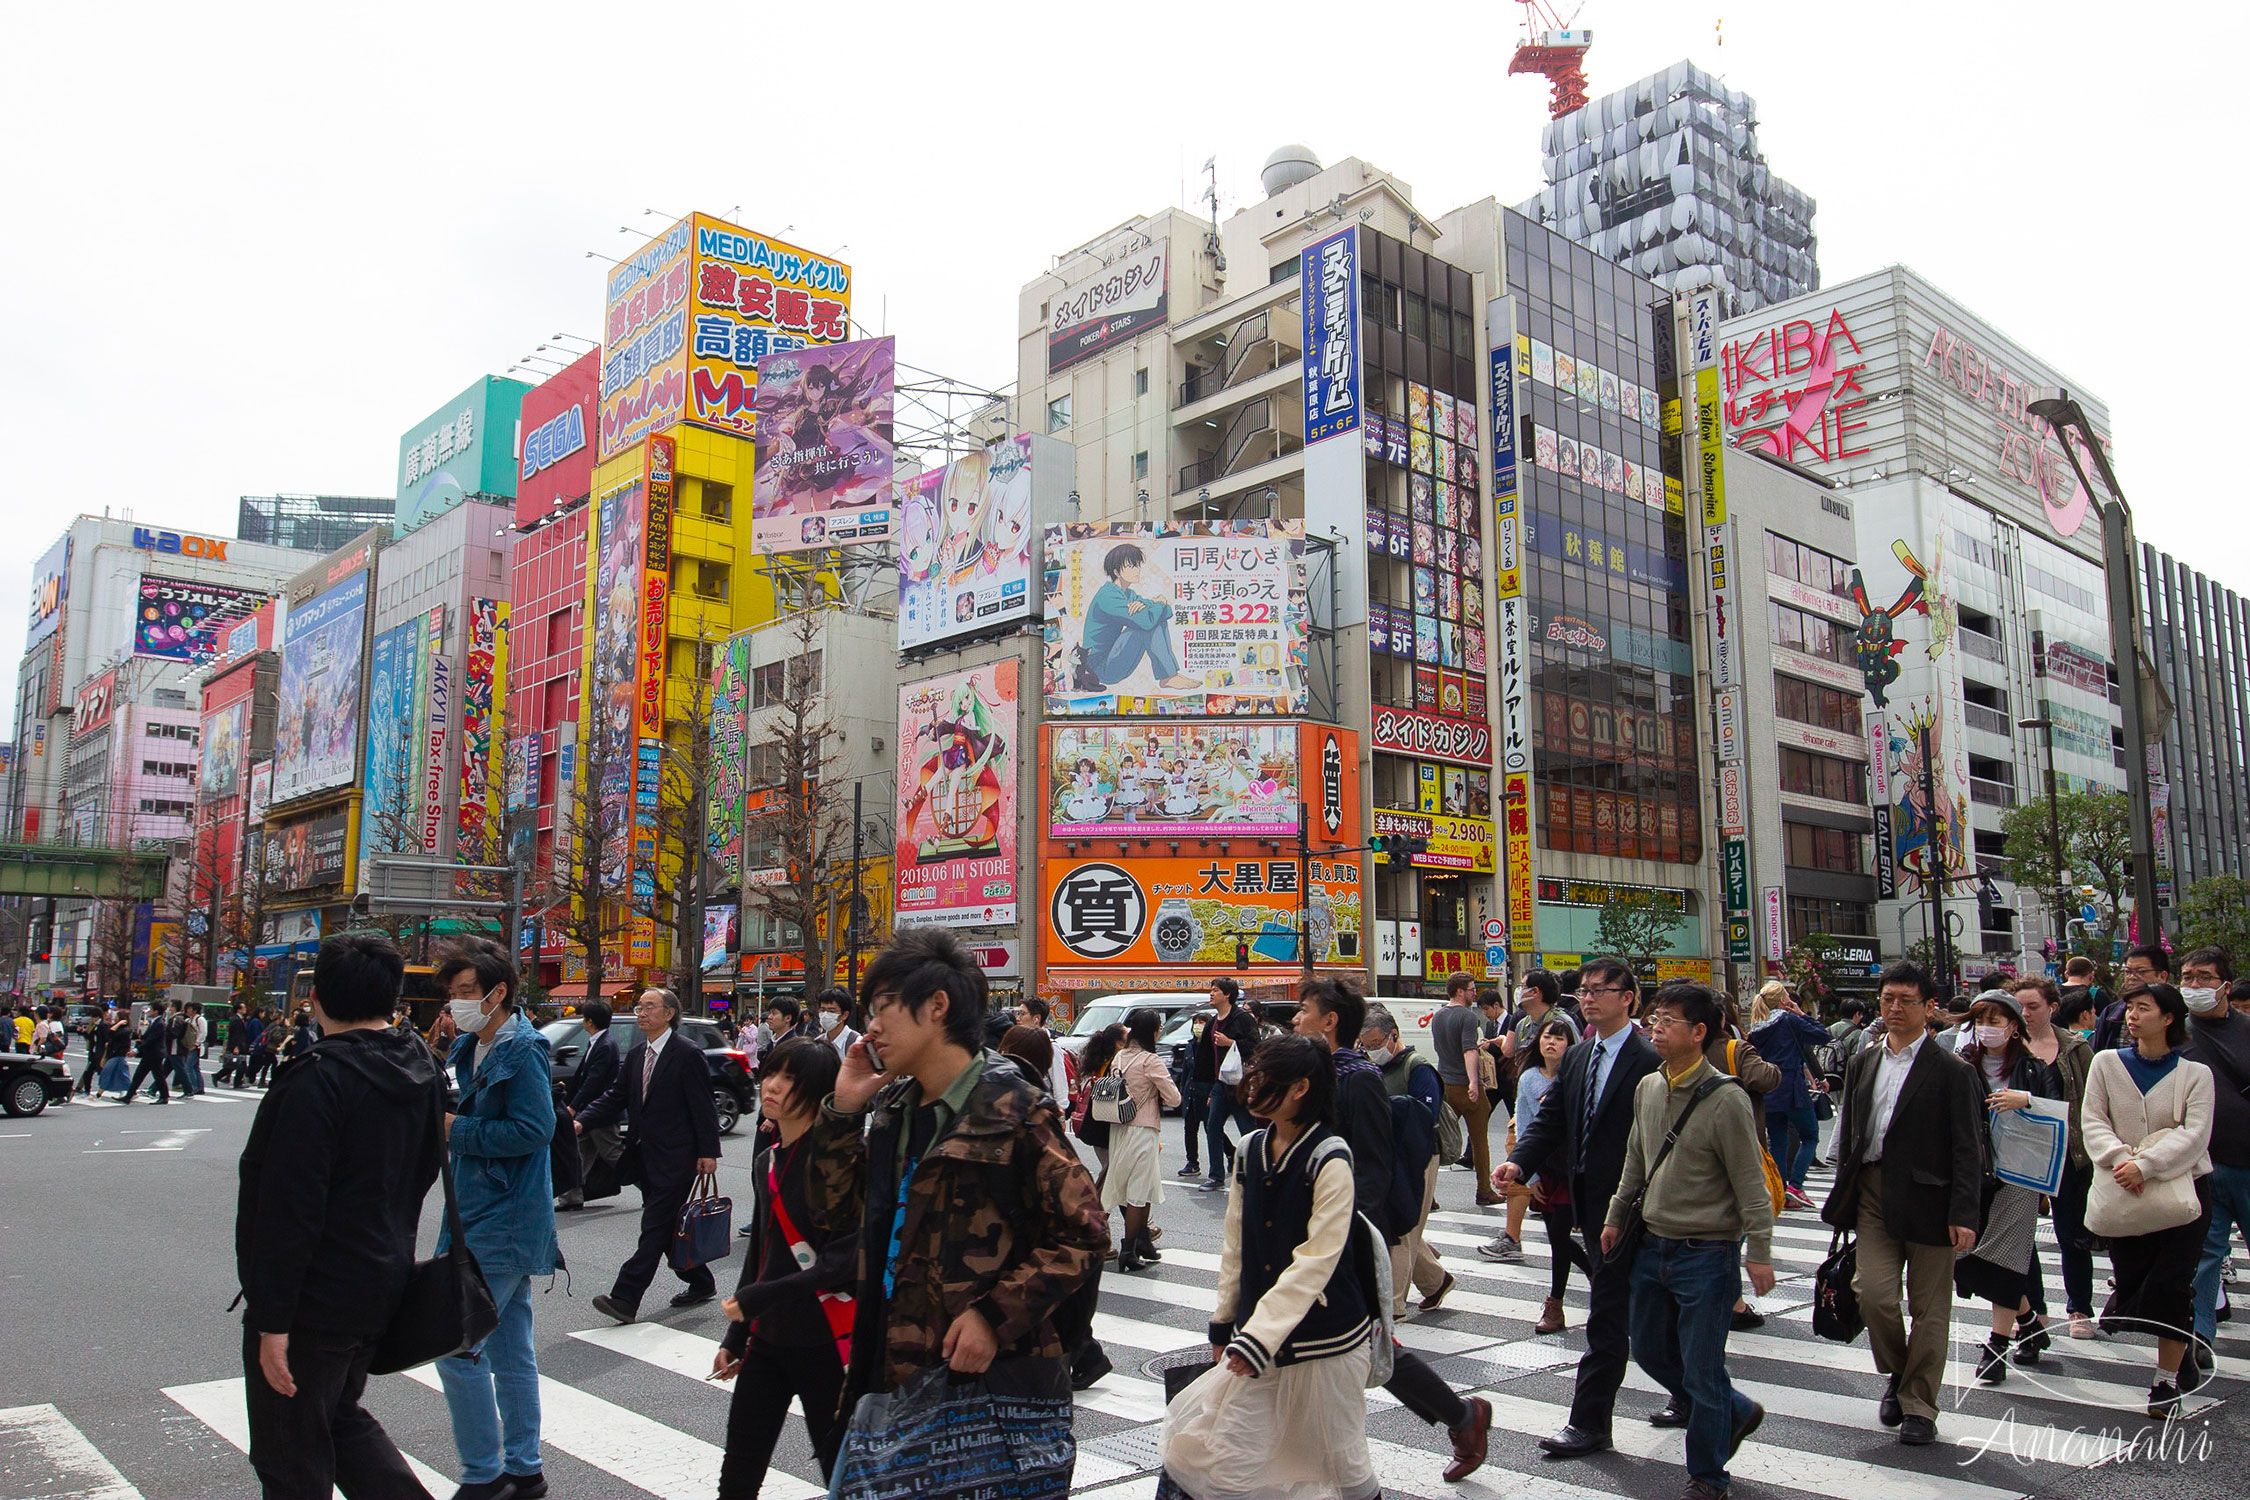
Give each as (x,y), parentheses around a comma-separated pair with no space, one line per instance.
(959,752)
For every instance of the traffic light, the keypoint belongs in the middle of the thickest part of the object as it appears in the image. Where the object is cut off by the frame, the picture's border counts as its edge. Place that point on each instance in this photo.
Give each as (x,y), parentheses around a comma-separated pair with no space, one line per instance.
(1242,953)
(1398,846)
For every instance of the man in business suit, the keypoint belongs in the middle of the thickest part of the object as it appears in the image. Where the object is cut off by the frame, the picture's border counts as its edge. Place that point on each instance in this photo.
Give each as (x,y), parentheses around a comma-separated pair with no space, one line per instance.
(596,1072)
(1910,1181)
(1581,1130)
(665,1088)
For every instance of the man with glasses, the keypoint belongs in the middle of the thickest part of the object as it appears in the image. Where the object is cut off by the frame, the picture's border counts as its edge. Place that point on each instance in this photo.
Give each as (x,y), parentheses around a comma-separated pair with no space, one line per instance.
(1910,1181)
(664,1087)
(1582,1129)
(2219,1038)
(2146,963)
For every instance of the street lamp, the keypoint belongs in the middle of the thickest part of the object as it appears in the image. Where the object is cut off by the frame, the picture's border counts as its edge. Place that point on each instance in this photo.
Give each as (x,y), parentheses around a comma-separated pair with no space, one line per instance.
(2045,724)
(2060,410)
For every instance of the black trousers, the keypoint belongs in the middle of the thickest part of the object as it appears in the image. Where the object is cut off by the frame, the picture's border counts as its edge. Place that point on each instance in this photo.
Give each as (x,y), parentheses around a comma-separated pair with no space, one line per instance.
(770,1375)
(1609,1334)
(91,1072)
(1421,1391)
(1564,1251)
(660,1220)
(161,1069)
(321,1438)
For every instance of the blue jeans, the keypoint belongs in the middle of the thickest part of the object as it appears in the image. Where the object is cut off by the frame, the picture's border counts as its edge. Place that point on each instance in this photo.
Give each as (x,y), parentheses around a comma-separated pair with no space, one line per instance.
(1222,1109)
(2230,1214)
(187,1071)
(500,1389)
(1683,1297)
(1793,1161)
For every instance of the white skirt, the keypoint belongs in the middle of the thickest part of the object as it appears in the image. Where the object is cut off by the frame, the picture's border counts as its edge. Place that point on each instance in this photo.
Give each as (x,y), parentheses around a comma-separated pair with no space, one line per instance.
(1134,1177)
(1297,1432)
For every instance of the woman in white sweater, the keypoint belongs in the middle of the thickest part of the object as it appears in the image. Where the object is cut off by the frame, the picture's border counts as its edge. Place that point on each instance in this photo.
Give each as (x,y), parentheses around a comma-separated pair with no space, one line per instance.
(2147,1124)
(1135,1181)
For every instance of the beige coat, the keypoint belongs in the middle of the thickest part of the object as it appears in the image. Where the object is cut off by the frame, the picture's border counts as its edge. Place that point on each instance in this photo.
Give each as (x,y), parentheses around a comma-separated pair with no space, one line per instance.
(2168,1132)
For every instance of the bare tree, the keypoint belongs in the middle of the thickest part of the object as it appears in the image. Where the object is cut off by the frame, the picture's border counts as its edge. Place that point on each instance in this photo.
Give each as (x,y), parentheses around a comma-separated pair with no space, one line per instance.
(690,769)
(810,820)
(585,889)
(109,956)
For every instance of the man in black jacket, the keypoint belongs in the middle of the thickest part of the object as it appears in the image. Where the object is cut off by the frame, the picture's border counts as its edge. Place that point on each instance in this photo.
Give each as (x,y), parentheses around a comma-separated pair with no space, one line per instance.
(1910,1181)
(665,1087)
(344,1147)
(1581,1131)
(156,1055)
(597,1070)
(1330,1012)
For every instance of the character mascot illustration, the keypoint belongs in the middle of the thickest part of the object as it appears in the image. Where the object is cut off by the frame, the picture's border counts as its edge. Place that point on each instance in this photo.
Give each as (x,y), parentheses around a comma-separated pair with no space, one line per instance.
(1875,644)
(958,777)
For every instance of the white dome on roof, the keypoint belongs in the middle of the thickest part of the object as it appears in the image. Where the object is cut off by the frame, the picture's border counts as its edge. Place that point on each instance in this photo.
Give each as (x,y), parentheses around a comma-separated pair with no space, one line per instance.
(1287,167)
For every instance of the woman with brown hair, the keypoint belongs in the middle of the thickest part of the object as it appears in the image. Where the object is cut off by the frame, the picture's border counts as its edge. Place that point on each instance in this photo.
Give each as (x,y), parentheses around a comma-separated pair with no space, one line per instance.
(1135,1181)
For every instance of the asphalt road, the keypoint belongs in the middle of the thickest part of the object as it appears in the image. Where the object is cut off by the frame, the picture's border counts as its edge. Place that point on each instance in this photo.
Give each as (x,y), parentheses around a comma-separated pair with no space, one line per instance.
(116,1268)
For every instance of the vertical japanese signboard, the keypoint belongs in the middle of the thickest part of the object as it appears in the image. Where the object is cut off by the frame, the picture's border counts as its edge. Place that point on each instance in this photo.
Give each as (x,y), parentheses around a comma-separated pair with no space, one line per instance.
(437,730)
(1879,795)
(730,701)
(1514,641)
(483,684)
(1330,293)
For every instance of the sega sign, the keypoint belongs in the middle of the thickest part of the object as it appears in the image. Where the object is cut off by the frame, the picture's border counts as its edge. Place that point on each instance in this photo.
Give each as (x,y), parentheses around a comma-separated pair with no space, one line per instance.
(556,464)
(209,548)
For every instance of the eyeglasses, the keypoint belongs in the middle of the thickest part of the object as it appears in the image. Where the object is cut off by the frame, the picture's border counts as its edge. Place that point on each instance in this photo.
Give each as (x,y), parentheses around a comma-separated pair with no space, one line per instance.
(1608,989)
(1666,1019)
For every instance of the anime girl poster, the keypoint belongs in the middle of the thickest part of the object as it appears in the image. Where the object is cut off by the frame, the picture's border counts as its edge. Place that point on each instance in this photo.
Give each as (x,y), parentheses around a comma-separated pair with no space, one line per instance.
(957,771)
(823,454)
(965,545)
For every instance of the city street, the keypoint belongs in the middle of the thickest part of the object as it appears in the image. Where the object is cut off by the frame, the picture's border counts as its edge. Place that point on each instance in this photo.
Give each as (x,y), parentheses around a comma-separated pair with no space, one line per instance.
(123,1378)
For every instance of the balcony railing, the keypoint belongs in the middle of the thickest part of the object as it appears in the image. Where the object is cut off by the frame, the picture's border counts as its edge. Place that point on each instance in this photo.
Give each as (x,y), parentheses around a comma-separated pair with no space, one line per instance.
(1990,720)
(1978,644)
(1991,793)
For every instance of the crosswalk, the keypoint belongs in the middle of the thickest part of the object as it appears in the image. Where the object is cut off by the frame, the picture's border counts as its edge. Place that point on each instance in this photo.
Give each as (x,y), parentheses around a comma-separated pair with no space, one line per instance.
(2079,1407)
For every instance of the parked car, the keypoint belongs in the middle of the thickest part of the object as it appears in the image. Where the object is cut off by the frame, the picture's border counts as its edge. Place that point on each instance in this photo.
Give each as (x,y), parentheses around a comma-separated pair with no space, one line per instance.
(1110,1010)
(29,1084)
(731,1089)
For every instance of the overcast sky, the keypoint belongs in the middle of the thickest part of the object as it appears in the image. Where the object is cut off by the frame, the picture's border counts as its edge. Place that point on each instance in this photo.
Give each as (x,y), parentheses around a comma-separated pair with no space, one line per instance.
(246,248)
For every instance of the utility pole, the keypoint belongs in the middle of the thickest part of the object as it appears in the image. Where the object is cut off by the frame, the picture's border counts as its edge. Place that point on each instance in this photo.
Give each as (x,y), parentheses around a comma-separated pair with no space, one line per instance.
(1304,888)
(851,924)
(1933,852)
(2045,724)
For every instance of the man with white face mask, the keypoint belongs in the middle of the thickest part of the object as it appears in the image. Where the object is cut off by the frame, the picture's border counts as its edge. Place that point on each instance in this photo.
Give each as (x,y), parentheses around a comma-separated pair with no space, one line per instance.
(834,1019)
(2219,1038)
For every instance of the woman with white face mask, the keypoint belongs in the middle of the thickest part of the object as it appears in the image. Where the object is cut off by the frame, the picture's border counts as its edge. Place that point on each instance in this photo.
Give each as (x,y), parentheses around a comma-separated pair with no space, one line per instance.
(1998,1269)
(2072,1057)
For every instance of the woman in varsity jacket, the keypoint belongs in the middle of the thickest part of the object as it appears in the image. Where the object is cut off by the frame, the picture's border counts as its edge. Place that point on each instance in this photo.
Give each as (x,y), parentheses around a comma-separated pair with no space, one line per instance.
(1282,1415)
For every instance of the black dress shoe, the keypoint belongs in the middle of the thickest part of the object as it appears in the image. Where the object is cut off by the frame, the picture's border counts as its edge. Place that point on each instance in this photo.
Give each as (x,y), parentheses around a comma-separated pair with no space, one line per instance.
(610,1308)
(1745,1427)
(502,1488)
(1746,1320)
(1917,1432)
(694,1297)
(1674,1414)
(532,1486)
(1574,1442)
(1887,1410)
(1090,1366)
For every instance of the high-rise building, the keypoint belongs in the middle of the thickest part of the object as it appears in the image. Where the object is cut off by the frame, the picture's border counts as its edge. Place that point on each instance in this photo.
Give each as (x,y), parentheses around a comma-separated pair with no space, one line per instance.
(1666,179)
(310,523)
(2197,635)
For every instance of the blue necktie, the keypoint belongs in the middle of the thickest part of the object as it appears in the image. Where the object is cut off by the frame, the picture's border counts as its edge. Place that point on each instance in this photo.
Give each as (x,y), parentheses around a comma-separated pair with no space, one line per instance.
(1593,1101)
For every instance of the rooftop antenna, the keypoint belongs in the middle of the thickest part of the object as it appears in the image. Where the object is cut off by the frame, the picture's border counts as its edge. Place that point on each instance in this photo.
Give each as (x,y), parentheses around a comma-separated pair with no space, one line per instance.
(1211,196)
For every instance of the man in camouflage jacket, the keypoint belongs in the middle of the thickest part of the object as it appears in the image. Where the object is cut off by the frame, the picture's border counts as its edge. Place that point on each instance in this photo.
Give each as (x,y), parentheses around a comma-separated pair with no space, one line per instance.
(996,1224)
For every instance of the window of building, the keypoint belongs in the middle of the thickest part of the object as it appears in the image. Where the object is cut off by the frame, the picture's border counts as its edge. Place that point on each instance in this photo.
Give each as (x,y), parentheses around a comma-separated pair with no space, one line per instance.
(1140,382)
(1810,848)
(766,685)
(1796,630)
(1810,775)
(718,500)
(1140,465)
(1811,914)
(1810,703)
(710,579)
(1808,565)
(1058,414)
(172,697)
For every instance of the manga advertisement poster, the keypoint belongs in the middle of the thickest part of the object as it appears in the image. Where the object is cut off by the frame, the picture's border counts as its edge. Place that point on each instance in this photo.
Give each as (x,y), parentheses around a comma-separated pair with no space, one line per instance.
(483,683)
(1204,620)
(226,738)
(316,731)
(965,546)
(616,637)
(181,620)
(730,700)
(1191,911)
(260,783)
(958,753)
(1172,781)
(823,475)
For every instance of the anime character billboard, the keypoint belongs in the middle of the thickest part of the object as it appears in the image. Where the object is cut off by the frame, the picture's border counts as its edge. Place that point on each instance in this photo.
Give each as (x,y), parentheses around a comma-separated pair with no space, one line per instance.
(958,754)
(824,454)
(965,546)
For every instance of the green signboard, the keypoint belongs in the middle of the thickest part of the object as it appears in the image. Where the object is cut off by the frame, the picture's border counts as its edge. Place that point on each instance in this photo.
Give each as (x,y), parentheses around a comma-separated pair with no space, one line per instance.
(1735,865)
(466,447)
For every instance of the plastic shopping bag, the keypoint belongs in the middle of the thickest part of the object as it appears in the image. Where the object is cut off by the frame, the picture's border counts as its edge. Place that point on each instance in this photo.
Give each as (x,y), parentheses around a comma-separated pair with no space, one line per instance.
(2029,1146)
(1004,1435)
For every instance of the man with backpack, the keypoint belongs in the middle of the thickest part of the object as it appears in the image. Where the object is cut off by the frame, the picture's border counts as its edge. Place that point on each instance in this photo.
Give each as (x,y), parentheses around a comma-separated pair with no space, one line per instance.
(1329,1011)
(1420,1126)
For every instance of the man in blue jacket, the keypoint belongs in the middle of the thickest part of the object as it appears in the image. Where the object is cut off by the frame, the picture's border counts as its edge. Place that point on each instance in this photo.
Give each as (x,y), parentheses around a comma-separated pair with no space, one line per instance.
(499,1141)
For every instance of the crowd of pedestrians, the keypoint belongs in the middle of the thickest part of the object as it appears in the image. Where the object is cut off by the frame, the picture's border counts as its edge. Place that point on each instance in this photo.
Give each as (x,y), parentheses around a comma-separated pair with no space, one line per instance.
(918,1198)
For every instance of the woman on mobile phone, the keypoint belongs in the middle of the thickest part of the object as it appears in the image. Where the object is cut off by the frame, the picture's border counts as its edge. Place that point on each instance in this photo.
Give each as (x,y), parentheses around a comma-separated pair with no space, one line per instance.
(789,1320)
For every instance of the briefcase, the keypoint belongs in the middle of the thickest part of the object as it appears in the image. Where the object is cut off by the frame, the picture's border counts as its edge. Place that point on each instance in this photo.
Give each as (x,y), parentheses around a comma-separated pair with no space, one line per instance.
(706,1229)
(1836,1312)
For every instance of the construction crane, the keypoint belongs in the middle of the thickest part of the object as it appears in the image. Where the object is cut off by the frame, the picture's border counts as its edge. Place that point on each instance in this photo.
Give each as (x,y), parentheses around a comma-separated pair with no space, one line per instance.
(1551,48)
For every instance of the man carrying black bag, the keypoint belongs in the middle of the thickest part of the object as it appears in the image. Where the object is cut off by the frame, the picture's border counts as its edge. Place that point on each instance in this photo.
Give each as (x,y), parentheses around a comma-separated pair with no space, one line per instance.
(340,1156)
(665,1089)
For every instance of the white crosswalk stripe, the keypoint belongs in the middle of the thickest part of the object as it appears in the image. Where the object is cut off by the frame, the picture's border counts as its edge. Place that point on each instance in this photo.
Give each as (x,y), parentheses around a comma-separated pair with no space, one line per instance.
(2077,1408)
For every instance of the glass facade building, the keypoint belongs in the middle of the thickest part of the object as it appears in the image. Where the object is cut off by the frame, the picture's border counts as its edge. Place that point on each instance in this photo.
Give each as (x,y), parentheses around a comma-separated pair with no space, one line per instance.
(2197,635)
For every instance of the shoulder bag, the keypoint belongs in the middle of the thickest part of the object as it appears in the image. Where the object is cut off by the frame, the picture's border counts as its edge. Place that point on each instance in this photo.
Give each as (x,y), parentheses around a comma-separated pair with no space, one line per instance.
(1107,1101)
(1635,1228)
(446,1308)
(1776,1189)
(706,1229)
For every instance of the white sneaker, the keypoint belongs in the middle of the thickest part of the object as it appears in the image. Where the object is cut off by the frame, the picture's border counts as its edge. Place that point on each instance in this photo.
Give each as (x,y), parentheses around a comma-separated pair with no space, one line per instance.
(1502,1248)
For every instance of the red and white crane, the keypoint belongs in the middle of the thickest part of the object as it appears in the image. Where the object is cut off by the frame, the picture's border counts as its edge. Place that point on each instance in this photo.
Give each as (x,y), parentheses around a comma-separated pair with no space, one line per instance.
(1551,48)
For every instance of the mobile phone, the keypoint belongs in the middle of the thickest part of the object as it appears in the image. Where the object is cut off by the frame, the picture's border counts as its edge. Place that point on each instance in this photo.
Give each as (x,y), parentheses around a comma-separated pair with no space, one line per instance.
(874,1058)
